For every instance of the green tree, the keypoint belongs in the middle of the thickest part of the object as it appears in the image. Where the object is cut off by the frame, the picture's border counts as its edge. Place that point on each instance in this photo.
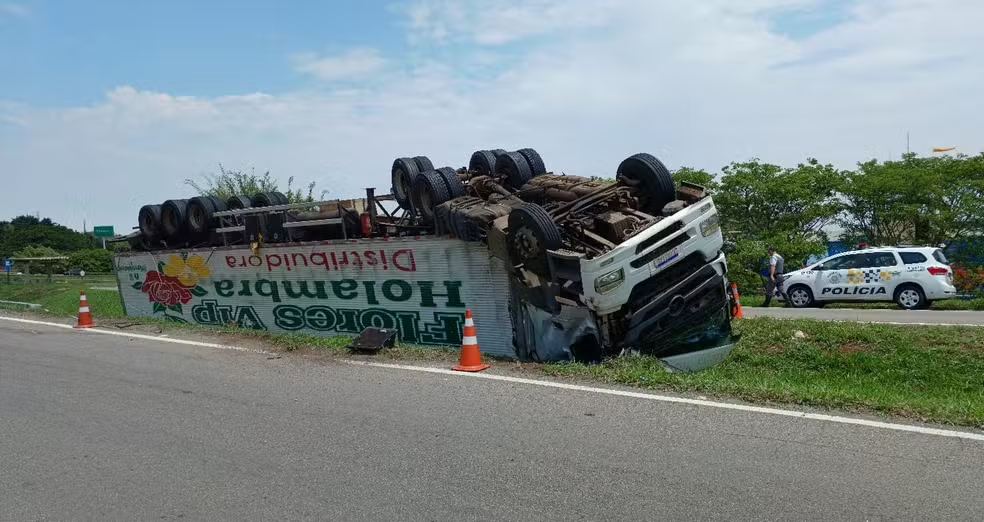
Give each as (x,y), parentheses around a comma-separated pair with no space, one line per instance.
(93,260)
(697,176)
(761,200)
(23,231)
(916,200)
(230,183)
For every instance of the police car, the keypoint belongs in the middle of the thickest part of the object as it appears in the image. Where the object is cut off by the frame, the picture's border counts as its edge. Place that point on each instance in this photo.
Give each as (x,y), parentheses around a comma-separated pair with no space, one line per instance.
(912,277)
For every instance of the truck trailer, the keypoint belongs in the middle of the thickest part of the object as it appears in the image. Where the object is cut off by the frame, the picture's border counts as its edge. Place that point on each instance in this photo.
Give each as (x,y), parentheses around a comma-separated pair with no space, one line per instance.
(555,267)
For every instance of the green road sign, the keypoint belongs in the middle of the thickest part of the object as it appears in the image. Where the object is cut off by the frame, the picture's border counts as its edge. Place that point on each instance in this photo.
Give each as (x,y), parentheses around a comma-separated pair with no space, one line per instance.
(102,232)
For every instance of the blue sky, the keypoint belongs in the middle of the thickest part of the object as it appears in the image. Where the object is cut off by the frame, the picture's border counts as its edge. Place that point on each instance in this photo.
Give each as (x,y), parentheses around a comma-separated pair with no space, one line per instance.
(66,53)
(108,105)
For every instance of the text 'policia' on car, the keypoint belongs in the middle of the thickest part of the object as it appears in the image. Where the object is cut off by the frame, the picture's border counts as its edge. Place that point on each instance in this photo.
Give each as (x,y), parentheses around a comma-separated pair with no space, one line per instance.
(592,267)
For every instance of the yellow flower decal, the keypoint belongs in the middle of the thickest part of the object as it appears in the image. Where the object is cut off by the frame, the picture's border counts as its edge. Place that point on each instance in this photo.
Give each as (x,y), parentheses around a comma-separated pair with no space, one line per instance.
(886,276)
(854,277)
(187,271)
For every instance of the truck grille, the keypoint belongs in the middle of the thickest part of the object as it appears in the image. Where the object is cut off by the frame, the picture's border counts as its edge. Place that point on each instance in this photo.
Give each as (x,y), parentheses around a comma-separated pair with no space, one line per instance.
(654,286)
(666,309)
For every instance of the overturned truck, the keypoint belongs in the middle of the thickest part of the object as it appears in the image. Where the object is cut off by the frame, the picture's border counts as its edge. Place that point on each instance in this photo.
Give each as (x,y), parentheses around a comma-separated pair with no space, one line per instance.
(563,267)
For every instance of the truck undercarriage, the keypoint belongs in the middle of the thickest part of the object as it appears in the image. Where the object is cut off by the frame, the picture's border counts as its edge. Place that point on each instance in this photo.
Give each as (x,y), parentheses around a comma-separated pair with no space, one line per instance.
(641,253)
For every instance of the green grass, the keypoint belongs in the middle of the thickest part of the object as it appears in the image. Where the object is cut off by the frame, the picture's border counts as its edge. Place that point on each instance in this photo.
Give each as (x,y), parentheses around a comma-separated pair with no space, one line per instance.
(63,298)
(935,374)
(948,304)
(928,373)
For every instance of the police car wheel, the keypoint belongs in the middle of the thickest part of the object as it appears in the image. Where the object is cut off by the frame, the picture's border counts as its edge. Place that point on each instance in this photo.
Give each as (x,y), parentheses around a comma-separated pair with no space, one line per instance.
(910,297)
(800,296)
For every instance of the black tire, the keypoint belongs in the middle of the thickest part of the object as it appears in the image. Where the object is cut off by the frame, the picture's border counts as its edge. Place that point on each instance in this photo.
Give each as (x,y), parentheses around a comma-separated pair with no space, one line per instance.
(800,296)
(220,205)
(655,184)
(149,220)
(482,162)
(423,163)
(455,187)
(514,167)
(239,203)
(281,198)
(429,191)
(910,297)
(537,168)
(403,174)
(174,216)
(531,233)
(200,216)
(497,152)
(268,199)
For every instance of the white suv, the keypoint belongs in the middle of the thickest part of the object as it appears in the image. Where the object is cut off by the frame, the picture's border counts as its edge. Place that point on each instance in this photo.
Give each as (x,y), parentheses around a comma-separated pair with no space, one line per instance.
(912,277)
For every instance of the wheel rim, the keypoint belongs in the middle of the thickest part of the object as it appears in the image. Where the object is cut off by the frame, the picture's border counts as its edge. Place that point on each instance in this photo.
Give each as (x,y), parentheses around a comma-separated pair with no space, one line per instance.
(909,298)
(197,219)
(799,297)
(527,244)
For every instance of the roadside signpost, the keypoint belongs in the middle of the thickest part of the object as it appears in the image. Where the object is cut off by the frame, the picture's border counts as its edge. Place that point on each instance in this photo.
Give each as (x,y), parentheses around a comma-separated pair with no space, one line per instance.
(103,232)
(6,267)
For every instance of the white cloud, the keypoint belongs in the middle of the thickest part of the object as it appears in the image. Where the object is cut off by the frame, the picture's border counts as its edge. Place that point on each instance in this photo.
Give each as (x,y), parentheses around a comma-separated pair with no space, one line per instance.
(696,83)
(355,63)
(15,10)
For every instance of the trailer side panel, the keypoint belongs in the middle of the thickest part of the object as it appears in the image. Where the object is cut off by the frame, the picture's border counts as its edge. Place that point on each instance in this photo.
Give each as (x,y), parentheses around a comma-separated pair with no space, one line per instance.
(420,286)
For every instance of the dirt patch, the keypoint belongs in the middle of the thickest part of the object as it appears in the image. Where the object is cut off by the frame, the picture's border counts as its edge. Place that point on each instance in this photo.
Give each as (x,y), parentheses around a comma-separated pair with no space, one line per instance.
(853,347)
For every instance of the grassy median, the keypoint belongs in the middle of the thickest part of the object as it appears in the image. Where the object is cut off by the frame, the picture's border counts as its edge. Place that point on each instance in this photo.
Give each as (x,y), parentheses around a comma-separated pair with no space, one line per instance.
(930,373)
(959,304)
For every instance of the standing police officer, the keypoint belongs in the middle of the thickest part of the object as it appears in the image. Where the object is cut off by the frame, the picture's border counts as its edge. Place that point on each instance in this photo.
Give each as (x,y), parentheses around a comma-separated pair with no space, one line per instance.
(773,281)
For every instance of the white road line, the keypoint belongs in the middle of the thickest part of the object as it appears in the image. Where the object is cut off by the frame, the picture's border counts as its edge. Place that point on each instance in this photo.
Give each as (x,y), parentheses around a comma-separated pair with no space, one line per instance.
(559,385)
(135,335)
(681,400)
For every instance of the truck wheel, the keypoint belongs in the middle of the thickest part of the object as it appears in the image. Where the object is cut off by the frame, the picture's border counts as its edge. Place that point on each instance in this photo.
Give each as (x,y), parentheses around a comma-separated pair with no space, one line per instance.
(537,168)
(429,191)
(513,166)
(219,204)
(174,215)
(149,219)
(239,203)
(497,152)
(404,174)
(423,163)
(456,188)
(910,297)
(655,184)
(531,233)
(268,199)
(200,210)
(482,162)
(281,198)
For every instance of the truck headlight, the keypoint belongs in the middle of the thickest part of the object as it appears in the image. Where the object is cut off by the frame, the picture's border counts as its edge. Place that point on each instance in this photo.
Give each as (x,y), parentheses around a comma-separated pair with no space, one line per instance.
(609,281)
(710,225)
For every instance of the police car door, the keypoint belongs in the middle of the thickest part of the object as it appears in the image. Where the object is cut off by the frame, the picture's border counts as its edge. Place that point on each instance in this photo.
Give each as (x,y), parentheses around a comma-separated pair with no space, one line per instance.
(838,279)
(881,274)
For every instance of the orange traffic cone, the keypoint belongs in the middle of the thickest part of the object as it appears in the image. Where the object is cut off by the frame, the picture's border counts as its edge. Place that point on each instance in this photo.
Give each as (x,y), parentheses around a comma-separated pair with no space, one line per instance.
(470,359)
(85,318)
(734,291)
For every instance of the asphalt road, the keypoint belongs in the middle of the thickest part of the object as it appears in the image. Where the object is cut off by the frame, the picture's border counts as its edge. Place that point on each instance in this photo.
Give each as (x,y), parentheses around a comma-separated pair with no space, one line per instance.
(95,427)
(875,316)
